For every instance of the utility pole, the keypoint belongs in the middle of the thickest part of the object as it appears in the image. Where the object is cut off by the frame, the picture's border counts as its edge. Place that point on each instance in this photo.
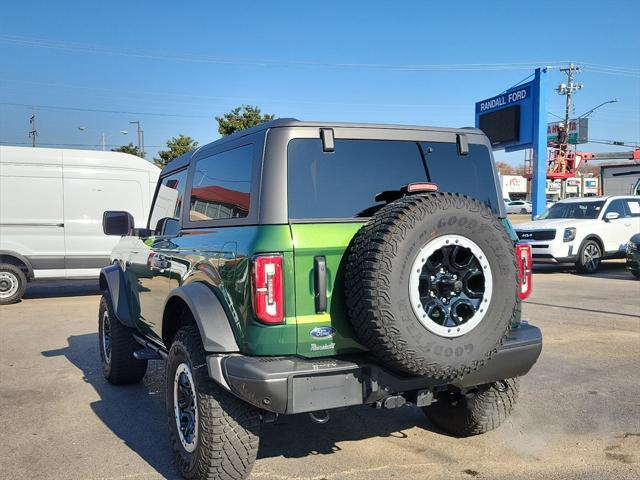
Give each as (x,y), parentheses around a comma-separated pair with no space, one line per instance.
(104,142)
(140,137)
(568,89)
(33,133)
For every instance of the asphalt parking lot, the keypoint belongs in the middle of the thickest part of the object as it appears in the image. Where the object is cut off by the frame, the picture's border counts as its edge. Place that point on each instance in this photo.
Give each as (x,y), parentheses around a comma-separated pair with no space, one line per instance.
(578,414)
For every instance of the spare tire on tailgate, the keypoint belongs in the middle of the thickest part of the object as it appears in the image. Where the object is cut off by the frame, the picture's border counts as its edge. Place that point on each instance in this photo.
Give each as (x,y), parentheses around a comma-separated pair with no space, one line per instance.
(431,284)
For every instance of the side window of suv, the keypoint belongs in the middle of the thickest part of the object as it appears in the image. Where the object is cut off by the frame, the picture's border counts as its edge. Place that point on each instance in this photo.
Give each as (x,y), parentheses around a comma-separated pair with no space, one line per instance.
(617,206)
(165,214)
(221,186)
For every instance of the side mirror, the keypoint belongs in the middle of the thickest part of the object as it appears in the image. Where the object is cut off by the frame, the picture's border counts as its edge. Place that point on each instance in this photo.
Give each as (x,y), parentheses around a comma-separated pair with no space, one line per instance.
(117,223)
(611,216)
(167,226)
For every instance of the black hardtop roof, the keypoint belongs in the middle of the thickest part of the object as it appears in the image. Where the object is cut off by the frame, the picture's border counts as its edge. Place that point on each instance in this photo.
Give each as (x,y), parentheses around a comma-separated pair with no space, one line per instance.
(183,160)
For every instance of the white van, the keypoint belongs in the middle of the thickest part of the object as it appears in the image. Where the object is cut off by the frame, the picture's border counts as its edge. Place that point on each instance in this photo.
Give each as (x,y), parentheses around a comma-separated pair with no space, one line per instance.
(51,206)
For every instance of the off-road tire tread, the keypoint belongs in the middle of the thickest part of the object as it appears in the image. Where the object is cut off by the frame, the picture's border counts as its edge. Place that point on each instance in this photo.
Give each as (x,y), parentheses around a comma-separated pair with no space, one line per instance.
(485,411)
(22,278)
(229,428)
(368,272)
(125,369)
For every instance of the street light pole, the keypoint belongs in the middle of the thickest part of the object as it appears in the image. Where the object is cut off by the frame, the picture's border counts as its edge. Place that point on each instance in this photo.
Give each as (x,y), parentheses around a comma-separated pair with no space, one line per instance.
(140,137)
(589,112)
(103,136)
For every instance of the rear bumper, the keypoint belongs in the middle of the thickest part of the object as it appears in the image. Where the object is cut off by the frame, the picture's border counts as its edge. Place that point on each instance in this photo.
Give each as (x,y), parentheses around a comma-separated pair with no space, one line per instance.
(293,384)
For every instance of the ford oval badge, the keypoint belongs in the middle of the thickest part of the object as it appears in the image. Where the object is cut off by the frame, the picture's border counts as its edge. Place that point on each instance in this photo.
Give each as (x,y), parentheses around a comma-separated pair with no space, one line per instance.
(322,332)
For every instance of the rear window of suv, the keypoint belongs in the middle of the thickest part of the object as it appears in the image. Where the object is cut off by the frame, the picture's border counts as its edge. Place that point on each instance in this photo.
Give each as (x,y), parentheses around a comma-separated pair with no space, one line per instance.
(343,183)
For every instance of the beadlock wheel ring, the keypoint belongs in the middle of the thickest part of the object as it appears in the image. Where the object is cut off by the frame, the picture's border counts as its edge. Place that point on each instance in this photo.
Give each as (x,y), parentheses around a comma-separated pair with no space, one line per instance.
(450,285)
(185,407)
(106,337)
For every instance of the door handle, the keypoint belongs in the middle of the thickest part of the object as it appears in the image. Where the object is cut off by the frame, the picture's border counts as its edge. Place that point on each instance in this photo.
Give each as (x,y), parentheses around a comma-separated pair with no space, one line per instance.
(320,283)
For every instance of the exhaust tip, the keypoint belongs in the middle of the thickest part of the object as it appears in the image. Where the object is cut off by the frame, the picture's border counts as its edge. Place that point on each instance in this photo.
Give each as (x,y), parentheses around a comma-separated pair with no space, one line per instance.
(320,417)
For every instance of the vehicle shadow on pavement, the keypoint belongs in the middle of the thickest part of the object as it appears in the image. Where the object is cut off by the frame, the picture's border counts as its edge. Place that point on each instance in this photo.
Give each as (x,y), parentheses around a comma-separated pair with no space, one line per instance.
(67,288)
(346,425)
(135,413)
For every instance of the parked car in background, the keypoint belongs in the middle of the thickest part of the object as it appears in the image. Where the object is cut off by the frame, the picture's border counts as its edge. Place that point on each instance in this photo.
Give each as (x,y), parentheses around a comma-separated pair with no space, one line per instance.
(633,255)
(51,206)
(519,206)
(583,231)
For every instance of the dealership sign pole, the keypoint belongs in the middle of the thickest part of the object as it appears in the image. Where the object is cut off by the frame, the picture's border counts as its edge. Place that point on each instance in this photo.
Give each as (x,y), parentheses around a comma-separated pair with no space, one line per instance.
(539,178)
(517,120)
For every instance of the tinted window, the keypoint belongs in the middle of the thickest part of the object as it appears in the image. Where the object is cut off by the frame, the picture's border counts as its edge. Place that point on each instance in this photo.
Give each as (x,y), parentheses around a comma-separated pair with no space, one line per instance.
(589,210)
(617,206)
(344,183)
(169,199)
(222,185)
(471,174)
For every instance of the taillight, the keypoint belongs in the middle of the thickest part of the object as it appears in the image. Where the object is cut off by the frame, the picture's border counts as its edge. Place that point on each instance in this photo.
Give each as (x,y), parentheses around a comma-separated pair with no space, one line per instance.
(267,290)
(523,253)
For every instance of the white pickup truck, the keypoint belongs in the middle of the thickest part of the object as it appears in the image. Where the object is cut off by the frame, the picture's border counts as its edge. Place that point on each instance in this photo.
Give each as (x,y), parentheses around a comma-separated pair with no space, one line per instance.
(583,231)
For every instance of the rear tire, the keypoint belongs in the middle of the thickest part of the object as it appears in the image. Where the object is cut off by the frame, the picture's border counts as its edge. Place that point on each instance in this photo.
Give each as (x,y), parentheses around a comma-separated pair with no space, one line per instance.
(589,257)
(523,211)
(218,434)
(116,345)
(487,409)
(13,283)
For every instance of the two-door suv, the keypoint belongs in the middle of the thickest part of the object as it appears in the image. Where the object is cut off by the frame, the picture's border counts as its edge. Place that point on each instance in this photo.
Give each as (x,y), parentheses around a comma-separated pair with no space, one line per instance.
(302,267)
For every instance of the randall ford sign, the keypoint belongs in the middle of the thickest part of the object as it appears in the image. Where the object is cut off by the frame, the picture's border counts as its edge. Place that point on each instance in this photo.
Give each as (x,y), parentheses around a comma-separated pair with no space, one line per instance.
(507,119)
(578,131)
(507,98)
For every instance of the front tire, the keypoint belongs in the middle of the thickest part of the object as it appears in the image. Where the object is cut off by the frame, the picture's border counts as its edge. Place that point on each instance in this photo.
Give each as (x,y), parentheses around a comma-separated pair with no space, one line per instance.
(116,345)
(475,413)
(13,283)
(589,257)
(214,434)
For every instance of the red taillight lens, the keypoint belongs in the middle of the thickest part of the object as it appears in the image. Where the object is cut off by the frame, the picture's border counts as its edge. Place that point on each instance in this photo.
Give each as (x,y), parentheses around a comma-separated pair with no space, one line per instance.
(267,288)
(523,253)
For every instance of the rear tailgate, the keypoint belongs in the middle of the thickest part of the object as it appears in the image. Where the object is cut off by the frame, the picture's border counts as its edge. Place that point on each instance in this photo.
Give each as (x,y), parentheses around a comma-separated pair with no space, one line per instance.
(328,242)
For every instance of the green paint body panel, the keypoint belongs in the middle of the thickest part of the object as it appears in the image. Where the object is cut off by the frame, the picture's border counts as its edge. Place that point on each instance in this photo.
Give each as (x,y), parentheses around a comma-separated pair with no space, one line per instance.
(221,258)
(329,240)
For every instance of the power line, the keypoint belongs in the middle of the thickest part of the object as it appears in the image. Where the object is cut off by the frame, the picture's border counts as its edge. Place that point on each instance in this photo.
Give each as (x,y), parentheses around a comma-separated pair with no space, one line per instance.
(120,112)
(191,57)
(115,145)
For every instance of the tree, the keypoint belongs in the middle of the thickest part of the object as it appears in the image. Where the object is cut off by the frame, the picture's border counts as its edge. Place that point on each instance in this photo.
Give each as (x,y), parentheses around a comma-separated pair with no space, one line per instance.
(176,146)
(240,118)
(504,168)
(131,148)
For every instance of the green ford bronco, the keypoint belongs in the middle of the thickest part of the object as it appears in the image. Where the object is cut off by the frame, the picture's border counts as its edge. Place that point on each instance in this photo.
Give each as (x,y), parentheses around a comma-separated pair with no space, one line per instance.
(302,267)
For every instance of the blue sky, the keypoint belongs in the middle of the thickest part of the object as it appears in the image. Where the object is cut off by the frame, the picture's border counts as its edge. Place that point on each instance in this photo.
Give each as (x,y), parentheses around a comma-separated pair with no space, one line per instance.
(187,62)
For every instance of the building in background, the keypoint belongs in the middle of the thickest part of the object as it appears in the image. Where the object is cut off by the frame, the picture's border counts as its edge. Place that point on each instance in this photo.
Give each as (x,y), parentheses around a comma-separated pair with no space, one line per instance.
(620,179)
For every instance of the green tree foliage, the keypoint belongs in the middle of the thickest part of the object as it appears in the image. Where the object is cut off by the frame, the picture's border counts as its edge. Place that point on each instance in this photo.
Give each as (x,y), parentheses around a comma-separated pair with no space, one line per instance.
(176,146)
(131,148)
(240,118)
